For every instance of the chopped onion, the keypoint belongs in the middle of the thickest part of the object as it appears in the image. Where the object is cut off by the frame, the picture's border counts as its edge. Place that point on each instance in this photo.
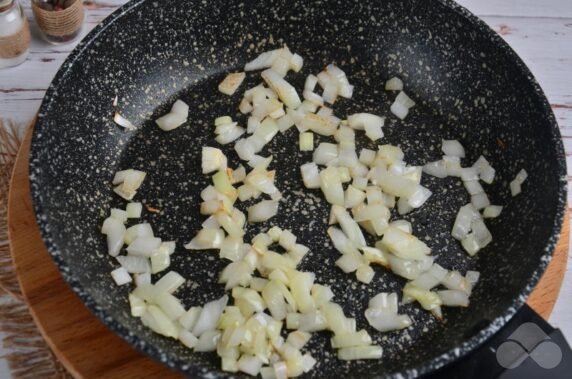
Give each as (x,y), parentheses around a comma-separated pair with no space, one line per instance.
(121,276)
(144,246)
(310,175)
(452,298)
(437,169)
(283,89)
(264,60)
(262,211)
(115,231)
(394,84)
(122,121)
(213,159)
(231,83)
(134,264)
(209,316)
(404,245)
(331,186)
(492,211)
(206,239)
(325,153)
(306,141)
(176,117)
(453,148)
(134,210)
(515,185)
(360,352)
(385,321)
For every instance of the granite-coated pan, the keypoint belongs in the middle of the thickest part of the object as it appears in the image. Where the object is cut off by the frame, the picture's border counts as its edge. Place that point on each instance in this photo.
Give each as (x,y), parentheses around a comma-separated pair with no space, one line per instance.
(468,85)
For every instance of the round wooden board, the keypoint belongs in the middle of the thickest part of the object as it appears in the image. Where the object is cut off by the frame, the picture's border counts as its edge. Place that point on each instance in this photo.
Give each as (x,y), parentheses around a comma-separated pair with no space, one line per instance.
(86,347)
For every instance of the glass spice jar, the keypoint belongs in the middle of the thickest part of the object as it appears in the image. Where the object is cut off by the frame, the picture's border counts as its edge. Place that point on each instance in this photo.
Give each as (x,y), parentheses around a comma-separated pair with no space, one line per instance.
(14,34)
(59,21)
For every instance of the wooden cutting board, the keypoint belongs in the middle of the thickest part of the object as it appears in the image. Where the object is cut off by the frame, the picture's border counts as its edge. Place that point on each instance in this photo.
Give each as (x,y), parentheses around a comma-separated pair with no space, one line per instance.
(86,347)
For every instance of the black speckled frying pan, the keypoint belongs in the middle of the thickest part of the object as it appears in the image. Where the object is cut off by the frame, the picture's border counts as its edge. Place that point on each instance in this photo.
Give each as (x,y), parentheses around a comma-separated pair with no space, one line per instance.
(468,85)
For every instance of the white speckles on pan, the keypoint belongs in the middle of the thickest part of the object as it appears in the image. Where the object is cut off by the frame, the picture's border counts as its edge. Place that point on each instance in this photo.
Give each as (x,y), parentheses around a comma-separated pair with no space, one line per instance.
(469,86)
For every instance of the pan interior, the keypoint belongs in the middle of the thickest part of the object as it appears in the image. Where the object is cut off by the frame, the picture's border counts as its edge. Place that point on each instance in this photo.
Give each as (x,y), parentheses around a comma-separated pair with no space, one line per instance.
(466,84)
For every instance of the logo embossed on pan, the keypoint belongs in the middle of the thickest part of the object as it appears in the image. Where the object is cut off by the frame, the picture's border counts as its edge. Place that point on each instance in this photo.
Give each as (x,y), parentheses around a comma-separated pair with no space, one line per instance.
(528,340)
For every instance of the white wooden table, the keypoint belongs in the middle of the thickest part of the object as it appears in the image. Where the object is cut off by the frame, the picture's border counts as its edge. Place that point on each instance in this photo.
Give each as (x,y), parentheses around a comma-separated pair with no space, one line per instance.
(540,31)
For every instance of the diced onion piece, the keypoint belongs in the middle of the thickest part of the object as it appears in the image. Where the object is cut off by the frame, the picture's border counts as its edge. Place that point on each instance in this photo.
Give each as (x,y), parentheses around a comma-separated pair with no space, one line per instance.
(437,169)
(139,230)
(482,233)
(190,317)
(427,299)
(283,89)
(209,316)
(156,319)
(206,239)
(453,148)
(134,264)
(231,83)
(213,159)
(473,187)
(176,117)
(230,134)
(134,210)
(296,62)
(141,279)
(394,84)
(321,125)
(325,153)
(170,282)
(404,245)
(208,341)
(492,211)
(485,170)
(306,141)
(399,110)
(121,276)
(371,123)
(515,188)
(353,197)
(170,305)
(122,121)
(264,60)
(331,186)
(385,321)
(419,197)
(136,305)
(262,211)
(115,231)
(160,260)
(515,185)
(462,225)
(188,339)
(452,298)
(144,246)
(310,175)
(361,338)
(350,228)
(480,201)
(360,352)
(470,244)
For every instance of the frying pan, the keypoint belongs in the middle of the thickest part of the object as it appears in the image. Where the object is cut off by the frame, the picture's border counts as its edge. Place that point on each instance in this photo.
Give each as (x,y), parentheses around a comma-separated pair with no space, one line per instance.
(468,85)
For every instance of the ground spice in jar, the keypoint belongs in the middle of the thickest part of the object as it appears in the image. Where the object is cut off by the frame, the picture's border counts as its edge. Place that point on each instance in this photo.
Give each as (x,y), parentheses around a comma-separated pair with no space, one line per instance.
(14,34)
(60,21)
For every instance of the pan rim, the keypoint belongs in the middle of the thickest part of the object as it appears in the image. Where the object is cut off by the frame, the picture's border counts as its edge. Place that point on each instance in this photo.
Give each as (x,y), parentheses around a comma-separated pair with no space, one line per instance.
(430,365)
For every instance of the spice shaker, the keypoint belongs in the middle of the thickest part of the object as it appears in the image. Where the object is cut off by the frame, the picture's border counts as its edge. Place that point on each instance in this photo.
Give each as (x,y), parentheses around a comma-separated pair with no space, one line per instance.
(59,21)
(14,34)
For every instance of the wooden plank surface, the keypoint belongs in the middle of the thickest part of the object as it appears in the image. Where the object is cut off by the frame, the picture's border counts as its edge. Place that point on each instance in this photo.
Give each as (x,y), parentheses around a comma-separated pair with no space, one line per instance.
(77,337)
